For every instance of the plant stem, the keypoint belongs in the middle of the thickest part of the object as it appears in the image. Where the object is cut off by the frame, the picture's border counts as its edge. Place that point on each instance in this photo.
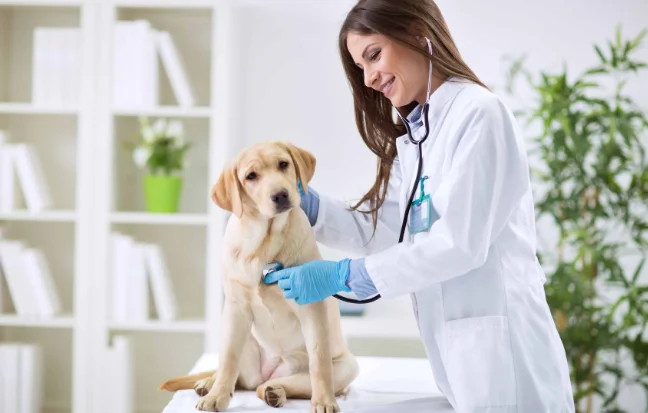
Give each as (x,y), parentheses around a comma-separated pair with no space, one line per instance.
(590,378)
(577,362)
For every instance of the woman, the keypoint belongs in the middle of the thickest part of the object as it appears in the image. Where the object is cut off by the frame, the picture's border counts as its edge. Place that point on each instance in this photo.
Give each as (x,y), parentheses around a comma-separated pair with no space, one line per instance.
(468,256)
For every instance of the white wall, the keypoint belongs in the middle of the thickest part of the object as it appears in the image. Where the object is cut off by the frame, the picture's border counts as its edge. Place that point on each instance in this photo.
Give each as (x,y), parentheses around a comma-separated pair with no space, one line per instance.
(292,85)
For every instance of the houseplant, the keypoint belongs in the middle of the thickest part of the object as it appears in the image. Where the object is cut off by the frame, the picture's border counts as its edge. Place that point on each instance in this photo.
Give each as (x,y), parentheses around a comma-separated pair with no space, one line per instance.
(591,188)
(160,152)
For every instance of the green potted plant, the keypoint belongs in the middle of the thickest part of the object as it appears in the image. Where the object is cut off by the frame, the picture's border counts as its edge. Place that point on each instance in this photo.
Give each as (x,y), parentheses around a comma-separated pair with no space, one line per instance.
(591,188)
(160,152)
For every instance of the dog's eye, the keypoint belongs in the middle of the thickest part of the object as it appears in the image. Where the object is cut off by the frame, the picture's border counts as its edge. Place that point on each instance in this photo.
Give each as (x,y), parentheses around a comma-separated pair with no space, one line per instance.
(283,165)
(251,176)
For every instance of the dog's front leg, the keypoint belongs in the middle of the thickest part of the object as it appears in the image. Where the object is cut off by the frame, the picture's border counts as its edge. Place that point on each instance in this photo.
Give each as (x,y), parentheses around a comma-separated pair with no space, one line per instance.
(237,323)
(313,321)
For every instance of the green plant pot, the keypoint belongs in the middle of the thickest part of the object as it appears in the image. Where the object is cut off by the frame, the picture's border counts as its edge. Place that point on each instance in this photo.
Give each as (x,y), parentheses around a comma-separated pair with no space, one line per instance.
(162,193)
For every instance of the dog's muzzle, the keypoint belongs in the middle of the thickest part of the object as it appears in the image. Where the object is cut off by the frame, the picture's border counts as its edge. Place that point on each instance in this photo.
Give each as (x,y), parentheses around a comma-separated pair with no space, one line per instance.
(281,199)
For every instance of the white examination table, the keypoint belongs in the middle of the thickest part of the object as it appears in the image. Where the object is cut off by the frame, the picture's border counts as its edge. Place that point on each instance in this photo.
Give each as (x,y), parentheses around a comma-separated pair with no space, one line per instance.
(401,385)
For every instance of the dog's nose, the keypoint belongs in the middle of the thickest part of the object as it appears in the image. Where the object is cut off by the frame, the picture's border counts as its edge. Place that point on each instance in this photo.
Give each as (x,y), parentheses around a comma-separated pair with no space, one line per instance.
(280,198)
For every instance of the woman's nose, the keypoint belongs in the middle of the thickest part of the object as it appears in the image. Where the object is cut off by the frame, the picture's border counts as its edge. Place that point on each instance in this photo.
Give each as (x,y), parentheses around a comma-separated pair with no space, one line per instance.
(370,77)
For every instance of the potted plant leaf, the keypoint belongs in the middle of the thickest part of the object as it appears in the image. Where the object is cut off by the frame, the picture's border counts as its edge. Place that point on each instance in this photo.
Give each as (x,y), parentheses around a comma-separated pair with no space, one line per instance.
(592,187)
(160,152)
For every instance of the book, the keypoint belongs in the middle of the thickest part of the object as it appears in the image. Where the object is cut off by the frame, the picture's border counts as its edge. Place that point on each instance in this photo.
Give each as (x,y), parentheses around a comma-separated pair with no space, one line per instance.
(21,377)
(56,66)
(135,74)
(175,68)
(139,268)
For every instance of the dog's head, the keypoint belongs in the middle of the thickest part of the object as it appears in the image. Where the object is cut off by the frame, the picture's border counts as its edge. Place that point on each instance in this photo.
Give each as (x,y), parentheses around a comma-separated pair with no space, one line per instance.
(262,179)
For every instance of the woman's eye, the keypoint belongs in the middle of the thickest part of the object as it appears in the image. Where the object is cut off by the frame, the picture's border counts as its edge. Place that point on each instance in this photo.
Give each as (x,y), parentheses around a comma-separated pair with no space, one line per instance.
(251,176)
(283,165)
(374,55)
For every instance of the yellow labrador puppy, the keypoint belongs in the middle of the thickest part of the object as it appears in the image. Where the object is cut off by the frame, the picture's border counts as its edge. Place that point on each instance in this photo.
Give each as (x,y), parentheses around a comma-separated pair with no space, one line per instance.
(270,344)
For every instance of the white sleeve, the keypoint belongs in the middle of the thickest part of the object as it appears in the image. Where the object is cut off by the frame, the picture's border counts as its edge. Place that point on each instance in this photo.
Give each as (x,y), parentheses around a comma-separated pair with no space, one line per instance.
(340,228)
(488,177)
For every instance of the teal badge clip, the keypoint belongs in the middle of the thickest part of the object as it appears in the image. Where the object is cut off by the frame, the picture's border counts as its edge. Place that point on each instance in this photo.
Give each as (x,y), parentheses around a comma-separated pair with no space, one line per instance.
(420,218)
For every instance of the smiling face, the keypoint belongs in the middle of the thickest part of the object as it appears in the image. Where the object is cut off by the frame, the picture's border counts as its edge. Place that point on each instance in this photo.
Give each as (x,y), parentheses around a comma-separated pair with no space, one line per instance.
(396,71)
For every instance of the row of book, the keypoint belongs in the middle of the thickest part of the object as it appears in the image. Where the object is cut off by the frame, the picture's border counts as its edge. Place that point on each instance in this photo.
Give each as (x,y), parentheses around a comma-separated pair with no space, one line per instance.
(21,378)
(137,45)
(136,267)
(28,279)
(21,172)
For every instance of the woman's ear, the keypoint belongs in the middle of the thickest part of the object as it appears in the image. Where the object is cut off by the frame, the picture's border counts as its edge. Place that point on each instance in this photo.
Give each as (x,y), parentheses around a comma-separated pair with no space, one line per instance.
(226,192)
(418,31)
(304,164)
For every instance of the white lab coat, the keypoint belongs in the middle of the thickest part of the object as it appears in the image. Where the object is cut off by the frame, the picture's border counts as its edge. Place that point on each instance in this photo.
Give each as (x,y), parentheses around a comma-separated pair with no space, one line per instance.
(475,283)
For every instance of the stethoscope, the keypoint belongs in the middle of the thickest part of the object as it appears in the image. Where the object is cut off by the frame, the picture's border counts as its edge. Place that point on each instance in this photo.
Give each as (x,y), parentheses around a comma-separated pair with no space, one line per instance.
(274,266)
(419,169)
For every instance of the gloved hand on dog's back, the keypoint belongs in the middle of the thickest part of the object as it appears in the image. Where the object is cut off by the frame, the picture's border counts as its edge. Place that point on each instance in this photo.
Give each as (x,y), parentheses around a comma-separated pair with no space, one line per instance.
(309,202)
(312,281)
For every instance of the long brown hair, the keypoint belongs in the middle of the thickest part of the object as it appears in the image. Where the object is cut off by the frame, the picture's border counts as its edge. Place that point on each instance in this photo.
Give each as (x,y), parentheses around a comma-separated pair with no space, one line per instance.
(401,21)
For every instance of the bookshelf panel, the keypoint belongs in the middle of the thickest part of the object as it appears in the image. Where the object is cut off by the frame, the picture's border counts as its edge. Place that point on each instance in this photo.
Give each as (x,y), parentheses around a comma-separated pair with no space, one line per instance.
(128,178)
(183,252)
(189,30)
(17,24)
(55,240)
(56,362)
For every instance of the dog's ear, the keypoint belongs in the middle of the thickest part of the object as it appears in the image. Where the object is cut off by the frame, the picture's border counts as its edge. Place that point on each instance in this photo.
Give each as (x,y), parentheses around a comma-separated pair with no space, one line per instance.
(226,192)
(304,164)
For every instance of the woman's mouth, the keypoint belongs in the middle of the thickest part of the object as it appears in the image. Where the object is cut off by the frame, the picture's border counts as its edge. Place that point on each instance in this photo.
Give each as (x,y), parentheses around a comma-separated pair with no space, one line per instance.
(387,87)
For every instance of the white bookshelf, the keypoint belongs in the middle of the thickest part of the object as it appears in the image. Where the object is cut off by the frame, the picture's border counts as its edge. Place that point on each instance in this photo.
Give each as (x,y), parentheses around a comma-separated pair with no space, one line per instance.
(97,190)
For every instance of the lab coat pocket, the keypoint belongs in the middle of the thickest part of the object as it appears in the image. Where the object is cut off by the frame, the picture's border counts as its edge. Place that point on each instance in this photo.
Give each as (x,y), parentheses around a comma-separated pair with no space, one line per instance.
(480,362)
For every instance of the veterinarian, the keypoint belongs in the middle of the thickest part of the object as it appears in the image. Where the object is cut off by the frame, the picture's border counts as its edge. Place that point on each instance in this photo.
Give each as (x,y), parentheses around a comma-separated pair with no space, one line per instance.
(449,220)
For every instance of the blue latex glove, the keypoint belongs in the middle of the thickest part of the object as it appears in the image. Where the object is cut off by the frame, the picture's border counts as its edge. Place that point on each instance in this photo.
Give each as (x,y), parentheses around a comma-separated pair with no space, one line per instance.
(312,281)
(309,202)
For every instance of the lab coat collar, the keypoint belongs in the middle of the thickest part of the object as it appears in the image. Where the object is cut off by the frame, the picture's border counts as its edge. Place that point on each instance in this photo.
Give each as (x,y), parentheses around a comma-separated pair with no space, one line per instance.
(437,101)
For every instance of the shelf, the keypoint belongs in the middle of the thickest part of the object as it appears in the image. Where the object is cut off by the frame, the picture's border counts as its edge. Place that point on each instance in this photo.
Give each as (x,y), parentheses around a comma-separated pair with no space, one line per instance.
(18,321)
(376,327)
(167,111)
(45,216)
(30,109)
(383,319)
(183,4)
(180,326)
(42,3)
(153,218)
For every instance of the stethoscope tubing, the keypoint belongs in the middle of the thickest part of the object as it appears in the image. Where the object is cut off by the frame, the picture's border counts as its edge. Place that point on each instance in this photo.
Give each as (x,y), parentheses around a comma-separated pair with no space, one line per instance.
(419,171)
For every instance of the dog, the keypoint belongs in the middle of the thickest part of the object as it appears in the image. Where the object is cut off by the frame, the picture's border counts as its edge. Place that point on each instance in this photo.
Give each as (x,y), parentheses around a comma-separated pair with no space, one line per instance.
(270,344)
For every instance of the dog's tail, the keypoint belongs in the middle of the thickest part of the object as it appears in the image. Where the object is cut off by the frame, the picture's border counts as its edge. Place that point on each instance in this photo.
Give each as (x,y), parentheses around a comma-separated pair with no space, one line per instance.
(185,382)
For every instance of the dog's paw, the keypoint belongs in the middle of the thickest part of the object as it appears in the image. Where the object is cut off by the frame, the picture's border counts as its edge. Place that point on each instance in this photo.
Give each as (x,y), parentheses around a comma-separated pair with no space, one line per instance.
(217,403)
(324,405)
(274,396)
(203,386)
